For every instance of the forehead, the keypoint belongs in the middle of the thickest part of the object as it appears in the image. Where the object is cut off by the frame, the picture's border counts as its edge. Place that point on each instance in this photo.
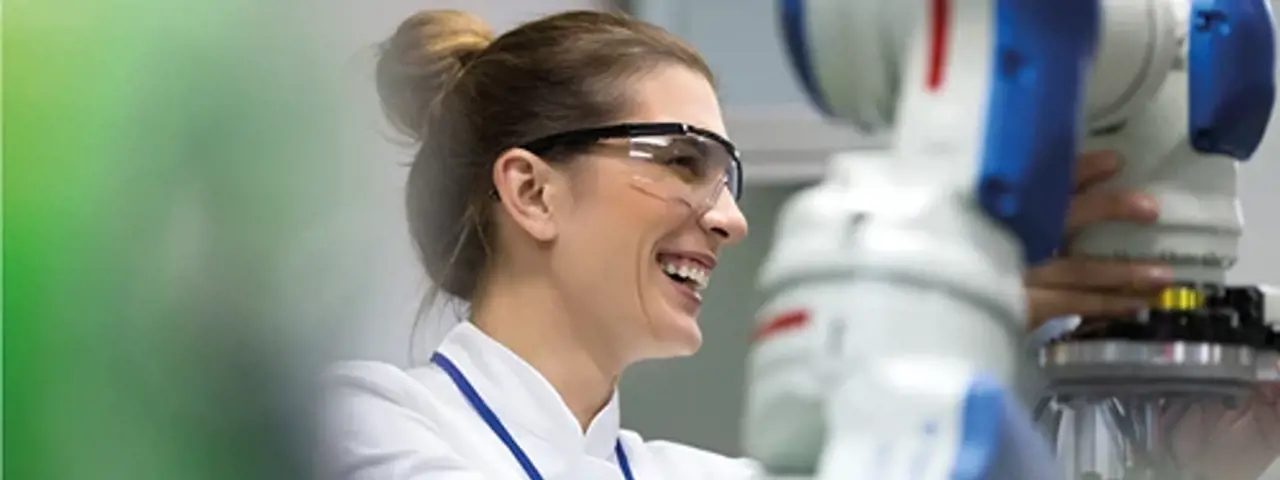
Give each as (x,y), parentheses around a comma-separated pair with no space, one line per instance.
(677,94)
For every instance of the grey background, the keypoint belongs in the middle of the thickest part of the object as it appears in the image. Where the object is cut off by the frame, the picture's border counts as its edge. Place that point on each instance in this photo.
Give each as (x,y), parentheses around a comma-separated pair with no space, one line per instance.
(694,400)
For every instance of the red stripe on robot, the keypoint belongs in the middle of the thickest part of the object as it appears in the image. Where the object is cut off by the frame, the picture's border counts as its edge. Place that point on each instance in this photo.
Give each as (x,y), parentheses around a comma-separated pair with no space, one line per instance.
(783,323)
(940,21)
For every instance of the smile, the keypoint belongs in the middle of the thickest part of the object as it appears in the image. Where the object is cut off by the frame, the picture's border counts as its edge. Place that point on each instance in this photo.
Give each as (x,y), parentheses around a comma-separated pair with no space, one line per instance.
(685,271)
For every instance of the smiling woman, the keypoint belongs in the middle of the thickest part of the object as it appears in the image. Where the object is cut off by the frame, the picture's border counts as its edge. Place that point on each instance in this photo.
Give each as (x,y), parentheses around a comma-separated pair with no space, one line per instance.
(574,184)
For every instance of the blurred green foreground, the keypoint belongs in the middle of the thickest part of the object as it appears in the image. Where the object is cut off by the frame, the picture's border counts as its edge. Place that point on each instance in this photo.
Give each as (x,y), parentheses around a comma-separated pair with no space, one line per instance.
(158,156)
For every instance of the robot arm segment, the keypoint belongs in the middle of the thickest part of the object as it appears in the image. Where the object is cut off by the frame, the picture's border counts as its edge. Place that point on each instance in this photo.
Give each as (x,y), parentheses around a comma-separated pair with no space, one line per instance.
(914,269)
(1141,42)
(1231,75)
(867,35)
(913,276)
(1020,64)
(1041,55)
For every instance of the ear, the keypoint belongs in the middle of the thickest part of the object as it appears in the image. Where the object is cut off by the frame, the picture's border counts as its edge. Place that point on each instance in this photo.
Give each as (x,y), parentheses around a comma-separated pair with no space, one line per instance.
(523,182)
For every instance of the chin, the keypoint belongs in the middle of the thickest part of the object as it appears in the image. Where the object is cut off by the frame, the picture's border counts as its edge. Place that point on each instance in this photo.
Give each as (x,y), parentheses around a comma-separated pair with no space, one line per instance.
(672,316)
(677,337)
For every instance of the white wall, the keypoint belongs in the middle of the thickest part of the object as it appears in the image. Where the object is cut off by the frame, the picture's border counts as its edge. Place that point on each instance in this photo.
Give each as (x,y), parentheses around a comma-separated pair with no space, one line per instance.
(1260,196)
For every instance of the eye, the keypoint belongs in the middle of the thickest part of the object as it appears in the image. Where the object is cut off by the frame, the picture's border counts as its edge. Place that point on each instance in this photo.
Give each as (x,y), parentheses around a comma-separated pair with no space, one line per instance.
(690,166)
(687,162)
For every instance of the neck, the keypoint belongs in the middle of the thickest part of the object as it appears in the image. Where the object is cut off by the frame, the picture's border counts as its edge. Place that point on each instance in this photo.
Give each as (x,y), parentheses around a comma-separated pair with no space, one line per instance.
(531,321)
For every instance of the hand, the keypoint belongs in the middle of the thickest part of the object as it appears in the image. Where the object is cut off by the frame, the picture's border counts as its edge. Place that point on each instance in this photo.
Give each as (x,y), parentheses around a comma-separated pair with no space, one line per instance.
(1080,286)
(1225,444)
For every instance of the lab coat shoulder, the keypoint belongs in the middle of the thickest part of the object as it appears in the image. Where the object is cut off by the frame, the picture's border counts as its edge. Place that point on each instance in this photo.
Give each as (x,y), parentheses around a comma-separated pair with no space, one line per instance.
(684,461)
(378,426)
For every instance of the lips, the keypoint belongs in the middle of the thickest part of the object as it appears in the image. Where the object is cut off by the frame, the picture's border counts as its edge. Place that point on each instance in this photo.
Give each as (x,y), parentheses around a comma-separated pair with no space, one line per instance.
(685,270)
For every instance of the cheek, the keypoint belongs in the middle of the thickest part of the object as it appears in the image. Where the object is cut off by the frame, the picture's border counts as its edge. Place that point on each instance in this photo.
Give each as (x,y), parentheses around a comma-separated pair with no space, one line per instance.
(610,237)
(611,213)
(628,218)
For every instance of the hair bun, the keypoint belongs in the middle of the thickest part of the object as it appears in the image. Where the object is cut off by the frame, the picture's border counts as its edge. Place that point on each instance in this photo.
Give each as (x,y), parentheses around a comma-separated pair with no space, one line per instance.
(425,54)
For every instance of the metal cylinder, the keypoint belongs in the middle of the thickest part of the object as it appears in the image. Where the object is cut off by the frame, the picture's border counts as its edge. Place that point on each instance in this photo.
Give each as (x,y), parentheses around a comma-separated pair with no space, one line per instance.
(1111,438)
(1110,401)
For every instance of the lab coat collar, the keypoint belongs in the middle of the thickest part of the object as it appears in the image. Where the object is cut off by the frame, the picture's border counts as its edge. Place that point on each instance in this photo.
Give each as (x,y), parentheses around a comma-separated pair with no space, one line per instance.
(523,398)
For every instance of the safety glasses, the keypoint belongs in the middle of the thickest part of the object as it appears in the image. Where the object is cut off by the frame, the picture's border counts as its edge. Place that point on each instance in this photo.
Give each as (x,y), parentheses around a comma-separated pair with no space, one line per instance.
(677,161)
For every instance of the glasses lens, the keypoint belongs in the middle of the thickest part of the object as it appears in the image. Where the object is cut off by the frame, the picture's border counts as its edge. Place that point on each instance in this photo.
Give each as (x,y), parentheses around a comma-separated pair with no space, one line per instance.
(687,167)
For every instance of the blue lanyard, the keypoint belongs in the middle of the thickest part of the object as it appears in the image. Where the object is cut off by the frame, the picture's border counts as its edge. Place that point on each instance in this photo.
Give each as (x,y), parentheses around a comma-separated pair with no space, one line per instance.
(491,419)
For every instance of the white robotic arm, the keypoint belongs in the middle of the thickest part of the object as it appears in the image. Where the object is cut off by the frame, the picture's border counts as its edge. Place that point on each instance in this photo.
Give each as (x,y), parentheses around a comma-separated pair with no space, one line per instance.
(896,313)
(910,278)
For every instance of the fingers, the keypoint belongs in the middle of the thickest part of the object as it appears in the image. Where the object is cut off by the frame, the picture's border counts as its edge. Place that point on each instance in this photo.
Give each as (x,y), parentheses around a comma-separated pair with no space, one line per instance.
(1267,420)
(1095,167)
(1269,393)
(1225,443)
(1047,304)
(1102,206)
(1089,207)
(1092,288)
(1086,274)
(1188,435)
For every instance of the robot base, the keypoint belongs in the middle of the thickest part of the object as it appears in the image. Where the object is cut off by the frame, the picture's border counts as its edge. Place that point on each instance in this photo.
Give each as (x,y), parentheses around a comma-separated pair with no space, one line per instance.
(1125,368)
(1109,401)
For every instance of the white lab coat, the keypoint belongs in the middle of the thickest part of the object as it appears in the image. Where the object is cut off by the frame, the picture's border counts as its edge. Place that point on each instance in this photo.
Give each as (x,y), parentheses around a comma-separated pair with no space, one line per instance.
(385,423)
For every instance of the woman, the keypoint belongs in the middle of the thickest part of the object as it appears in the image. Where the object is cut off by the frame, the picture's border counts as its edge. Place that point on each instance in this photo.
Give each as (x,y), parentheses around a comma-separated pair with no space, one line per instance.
(574,185)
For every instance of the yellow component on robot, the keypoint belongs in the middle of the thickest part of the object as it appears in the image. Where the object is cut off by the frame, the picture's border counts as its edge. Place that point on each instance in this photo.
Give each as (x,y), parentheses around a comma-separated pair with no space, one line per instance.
(1181,298)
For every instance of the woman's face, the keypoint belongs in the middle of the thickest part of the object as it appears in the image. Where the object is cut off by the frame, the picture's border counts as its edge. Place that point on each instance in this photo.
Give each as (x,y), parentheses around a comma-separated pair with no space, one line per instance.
(637,247)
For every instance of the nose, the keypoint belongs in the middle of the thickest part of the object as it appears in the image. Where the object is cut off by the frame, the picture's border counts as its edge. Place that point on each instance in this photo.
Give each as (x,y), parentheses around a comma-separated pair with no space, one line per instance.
(725,221)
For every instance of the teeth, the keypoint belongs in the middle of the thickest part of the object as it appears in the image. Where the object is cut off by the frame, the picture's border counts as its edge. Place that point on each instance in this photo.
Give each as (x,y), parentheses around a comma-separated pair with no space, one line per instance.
(695,274)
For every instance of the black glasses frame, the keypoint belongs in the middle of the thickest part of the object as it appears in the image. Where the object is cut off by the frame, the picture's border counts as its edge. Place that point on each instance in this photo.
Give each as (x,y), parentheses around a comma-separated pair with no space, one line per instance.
(589,136)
